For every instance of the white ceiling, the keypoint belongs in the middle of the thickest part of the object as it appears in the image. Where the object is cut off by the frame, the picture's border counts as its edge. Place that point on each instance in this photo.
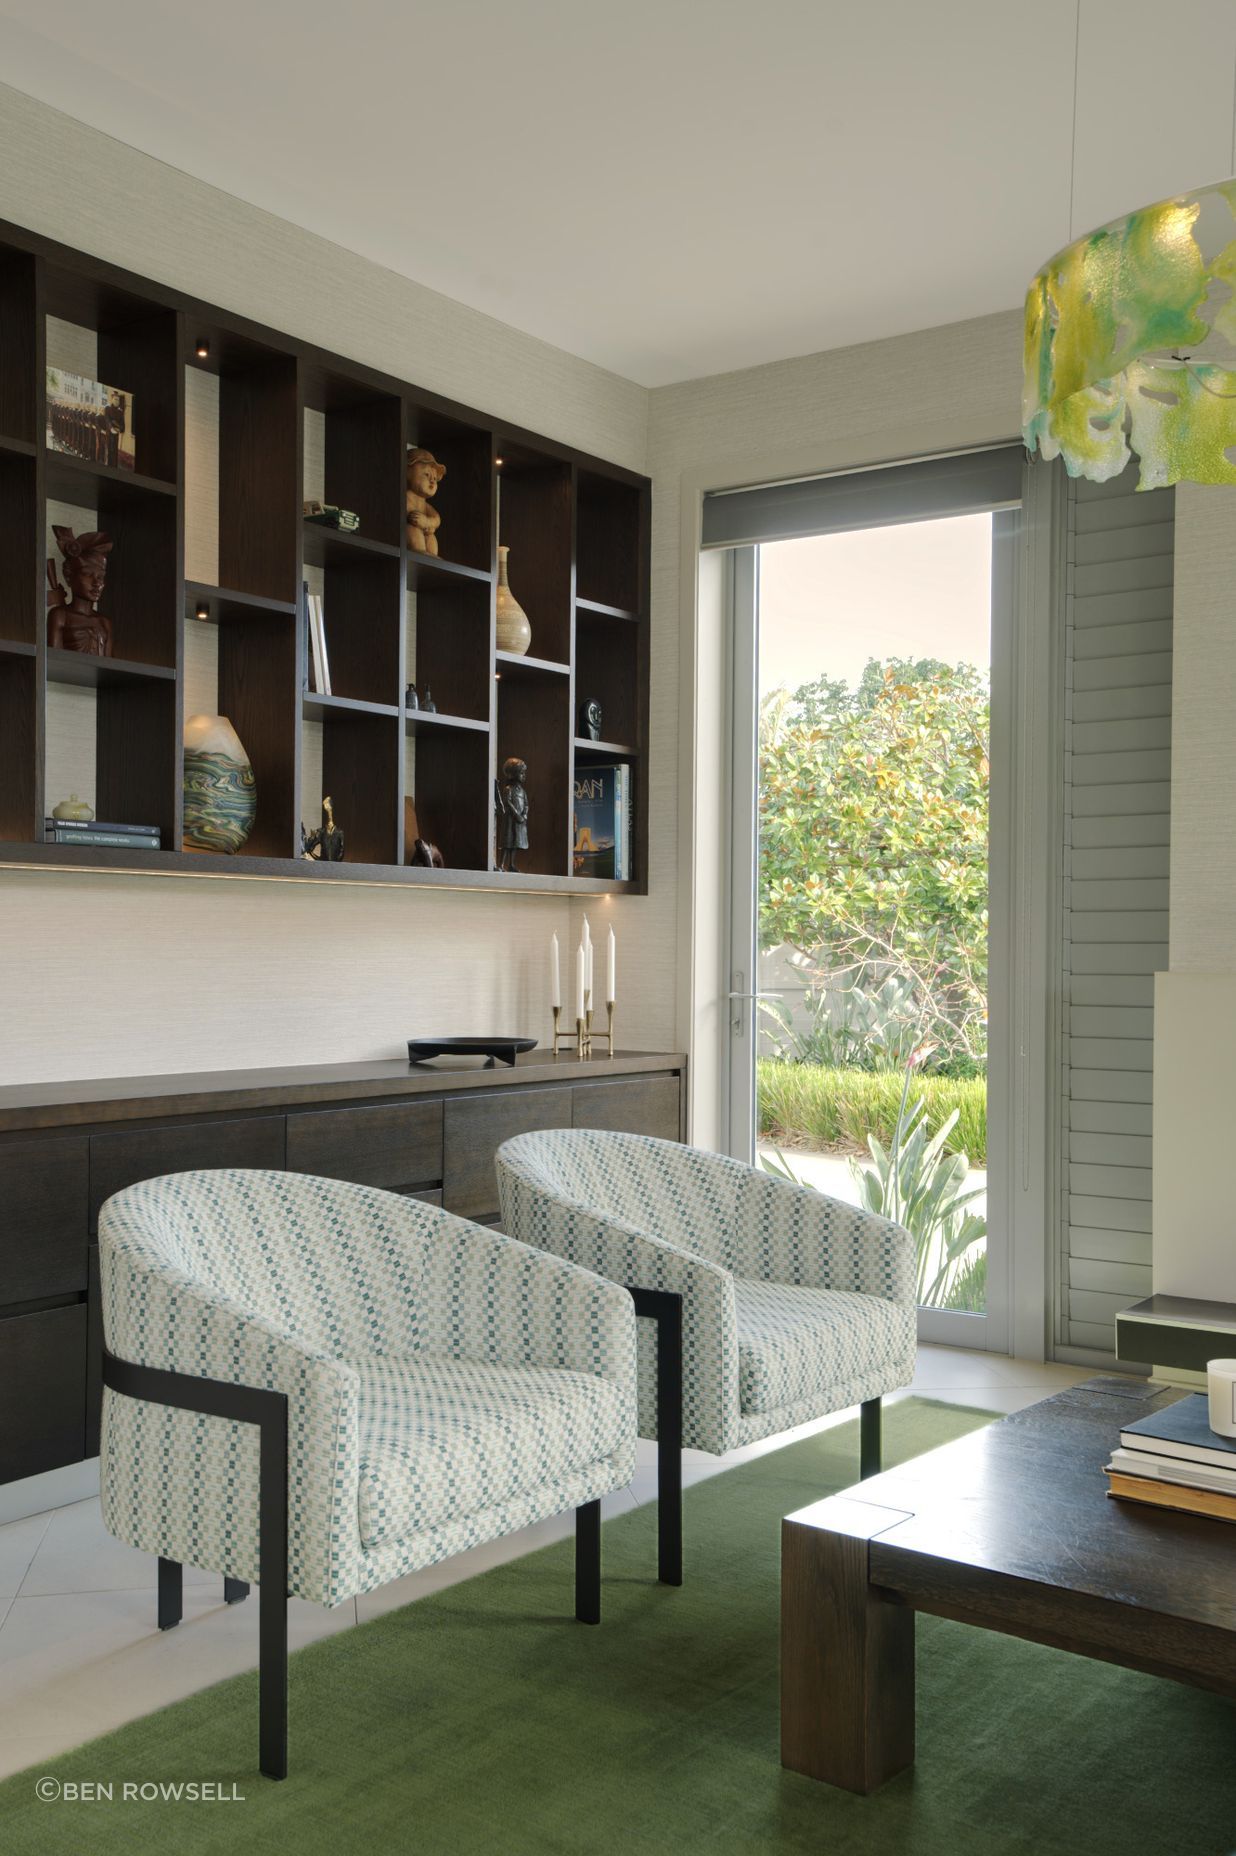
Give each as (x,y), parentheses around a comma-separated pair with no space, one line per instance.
(667,187)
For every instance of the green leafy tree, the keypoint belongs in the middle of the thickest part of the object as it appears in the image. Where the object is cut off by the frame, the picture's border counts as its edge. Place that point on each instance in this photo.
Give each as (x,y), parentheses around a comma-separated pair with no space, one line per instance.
(873,838)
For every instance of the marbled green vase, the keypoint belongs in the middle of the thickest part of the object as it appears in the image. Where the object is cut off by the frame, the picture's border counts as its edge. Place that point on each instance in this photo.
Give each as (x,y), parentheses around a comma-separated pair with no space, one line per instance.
(220,790)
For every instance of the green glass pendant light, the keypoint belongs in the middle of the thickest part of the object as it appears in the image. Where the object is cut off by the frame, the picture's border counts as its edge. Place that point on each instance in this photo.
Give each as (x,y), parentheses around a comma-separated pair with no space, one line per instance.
(1130,345)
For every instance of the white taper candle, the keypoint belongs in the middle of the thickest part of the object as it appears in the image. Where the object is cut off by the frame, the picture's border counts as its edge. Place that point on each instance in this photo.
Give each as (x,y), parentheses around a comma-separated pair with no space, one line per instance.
(610,994)
(555,984)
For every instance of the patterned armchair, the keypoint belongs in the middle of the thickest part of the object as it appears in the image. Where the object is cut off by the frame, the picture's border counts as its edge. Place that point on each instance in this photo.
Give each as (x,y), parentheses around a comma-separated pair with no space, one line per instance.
(793,1305)
(321,1387)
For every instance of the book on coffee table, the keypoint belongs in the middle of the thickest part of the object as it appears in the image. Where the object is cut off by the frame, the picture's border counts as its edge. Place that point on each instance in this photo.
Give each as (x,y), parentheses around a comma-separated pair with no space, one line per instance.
(1183,1430)
(1156,1468)
(1177,1495)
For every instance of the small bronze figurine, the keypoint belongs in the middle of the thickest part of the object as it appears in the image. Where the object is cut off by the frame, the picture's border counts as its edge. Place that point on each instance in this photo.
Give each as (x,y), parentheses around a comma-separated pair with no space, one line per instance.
(512,797)
(72,622)
(590,719)
(326,844)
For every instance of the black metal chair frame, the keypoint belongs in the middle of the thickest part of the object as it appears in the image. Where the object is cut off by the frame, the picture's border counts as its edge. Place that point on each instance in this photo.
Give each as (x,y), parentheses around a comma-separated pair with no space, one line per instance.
(241,1404)
(665,1308)
(218,1398)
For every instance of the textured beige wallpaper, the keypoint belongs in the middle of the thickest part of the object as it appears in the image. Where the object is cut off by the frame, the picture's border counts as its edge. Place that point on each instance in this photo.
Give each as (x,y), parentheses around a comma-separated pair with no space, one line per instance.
(153,975)
(1203,920)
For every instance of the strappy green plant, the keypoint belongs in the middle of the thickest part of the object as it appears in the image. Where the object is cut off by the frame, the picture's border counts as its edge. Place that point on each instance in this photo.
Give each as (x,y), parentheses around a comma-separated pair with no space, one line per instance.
(921,1186)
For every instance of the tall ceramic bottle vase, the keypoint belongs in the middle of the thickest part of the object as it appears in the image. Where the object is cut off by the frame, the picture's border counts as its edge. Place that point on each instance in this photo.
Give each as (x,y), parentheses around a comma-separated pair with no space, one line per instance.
(514,632)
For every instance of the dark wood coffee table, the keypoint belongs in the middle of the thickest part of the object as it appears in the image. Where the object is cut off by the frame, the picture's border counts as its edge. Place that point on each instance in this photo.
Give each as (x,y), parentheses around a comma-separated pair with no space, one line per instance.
(1010,1529)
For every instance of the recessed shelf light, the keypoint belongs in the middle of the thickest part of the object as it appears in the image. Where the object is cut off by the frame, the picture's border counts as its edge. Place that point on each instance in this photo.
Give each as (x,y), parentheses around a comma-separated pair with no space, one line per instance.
(499,462)
(202,611)
(202,349)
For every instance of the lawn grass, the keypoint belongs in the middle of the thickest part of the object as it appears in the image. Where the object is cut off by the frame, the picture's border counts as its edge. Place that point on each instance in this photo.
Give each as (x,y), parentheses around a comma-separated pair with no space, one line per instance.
(806,1105)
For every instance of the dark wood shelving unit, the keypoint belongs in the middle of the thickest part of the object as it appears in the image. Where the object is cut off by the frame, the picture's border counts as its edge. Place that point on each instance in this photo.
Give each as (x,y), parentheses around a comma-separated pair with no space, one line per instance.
(94,672)
(417,719)
(577,529)
(527,666)
(319,707)
(604,750)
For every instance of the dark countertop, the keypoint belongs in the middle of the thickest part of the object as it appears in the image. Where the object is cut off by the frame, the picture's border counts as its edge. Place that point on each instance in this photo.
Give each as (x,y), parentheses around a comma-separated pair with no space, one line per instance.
(25,1106)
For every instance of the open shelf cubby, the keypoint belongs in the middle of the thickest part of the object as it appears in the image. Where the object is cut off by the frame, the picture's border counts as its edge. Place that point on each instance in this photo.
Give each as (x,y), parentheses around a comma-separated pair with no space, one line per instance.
(234,428)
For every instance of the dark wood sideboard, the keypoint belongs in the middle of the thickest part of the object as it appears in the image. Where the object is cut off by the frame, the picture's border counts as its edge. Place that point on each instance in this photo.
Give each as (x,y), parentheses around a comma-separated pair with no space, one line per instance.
(428,1132)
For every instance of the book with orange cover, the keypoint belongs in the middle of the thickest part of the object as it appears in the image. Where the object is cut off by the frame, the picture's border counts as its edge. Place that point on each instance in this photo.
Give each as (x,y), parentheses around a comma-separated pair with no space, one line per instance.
(1171,1495)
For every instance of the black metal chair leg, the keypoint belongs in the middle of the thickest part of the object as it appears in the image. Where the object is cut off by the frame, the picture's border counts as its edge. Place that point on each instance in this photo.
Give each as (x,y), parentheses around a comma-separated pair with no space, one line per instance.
(273,1595)
(273,1681)
(664,1306)
(171,1593)
(269,1411)
(869,1439)
(669,1448)
(588,1563)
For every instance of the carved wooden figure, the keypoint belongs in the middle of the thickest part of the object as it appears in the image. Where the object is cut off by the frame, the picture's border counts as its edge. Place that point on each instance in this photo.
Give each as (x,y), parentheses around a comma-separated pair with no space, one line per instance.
(72,621)
(424,475)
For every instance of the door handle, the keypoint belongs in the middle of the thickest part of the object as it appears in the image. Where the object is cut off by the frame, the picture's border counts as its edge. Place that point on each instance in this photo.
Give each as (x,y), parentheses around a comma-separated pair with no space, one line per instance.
(736,998)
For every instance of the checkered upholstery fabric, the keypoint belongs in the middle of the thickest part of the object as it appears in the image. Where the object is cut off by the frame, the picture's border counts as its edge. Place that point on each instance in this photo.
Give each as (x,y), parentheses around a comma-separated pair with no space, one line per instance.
(795,1344)
(381,1318)
(793,1305)
(439,1436)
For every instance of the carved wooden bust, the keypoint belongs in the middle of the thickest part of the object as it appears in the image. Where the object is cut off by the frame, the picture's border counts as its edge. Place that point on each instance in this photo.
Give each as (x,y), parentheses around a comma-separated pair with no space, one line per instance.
(73,624)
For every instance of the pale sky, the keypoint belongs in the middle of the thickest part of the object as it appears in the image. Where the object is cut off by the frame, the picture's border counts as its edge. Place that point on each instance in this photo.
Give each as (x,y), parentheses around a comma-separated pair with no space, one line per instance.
(921,589)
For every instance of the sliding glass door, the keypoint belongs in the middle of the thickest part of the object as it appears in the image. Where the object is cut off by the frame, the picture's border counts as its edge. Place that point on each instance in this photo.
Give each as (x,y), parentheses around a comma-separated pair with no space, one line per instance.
(864,874)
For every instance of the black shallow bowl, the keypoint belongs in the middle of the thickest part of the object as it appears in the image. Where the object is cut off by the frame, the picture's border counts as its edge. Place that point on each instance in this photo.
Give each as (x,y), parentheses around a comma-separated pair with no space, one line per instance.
(503,1050)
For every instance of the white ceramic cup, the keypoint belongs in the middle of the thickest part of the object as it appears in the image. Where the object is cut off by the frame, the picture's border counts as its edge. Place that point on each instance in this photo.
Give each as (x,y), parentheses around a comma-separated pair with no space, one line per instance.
(1221,1393)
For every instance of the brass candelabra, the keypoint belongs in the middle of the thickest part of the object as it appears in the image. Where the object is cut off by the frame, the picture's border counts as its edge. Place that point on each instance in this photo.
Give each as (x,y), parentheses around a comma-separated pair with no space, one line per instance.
(581,1040)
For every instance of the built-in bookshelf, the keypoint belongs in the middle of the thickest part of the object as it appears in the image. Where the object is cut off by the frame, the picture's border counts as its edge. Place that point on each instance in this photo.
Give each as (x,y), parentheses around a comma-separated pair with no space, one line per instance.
(235,426)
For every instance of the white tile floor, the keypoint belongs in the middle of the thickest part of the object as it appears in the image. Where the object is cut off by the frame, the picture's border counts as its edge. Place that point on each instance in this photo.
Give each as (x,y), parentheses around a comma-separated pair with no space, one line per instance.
(80,1652)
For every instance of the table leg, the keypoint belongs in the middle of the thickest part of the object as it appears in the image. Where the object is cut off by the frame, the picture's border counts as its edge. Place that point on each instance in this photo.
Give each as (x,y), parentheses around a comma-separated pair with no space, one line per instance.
(847,1654)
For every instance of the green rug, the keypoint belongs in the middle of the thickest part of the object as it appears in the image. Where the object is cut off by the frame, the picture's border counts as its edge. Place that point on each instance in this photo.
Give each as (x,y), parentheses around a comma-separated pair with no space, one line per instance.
(484,1719)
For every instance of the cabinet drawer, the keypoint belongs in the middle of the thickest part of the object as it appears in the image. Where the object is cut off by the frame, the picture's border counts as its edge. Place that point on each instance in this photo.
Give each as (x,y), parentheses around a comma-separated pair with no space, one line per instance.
(393,1144)
(118,1160)
(632,1105)
(42,1219)
(42,1391)
(475,1128)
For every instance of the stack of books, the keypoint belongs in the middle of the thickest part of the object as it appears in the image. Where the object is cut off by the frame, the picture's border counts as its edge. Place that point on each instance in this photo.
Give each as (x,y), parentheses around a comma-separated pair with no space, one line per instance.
(1173,1459)
(96,831)
(603,822)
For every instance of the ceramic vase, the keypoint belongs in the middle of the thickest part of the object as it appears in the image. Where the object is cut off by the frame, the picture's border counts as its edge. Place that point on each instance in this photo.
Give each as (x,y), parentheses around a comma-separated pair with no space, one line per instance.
(220,791)
(514,632)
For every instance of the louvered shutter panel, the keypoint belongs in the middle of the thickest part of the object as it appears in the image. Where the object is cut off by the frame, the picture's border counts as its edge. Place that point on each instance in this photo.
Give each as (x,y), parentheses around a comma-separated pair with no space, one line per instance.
(1117,797)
